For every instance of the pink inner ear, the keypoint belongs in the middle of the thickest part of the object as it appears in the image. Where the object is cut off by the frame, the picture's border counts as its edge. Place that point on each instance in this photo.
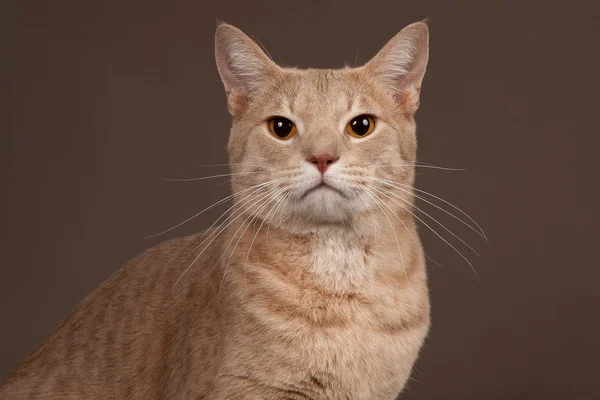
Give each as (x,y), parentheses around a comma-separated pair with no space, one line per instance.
(401,64)
(236,102)
(240,61)
(409,99)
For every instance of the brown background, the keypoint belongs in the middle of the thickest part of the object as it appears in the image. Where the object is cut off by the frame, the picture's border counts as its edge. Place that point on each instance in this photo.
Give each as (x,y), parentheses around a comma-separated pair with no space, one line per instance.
(100,100)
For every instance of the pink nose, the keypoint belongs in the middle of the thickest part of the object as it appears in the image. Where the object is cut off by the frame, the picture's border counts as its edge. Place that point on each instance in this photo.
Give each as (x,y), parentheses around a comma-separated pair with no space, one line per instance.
(323,161)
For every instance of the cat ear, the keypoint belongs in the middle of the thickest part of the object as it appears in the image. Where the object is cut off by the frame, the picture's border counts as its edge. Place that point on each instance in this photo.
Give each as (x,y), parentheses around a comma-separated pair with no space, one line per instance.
(400,65)
(242,64)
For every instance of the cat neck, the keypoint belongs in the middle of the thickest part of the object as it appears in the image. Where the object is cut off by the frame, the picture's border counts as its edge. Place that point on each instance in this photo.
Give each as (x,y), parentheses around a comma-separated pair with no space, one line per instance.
(332,258)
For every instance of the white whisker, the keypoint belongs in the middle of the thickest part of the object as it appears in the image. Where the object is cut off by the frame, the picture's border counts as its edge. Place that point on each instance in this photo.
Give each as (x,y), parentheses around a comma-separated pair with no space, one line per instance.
(214,237)
(369,208)
(239,204)
(252,215)
(266,199)
(256,234)
(417,166)
(410,234)
(287,196)
(391,183)
(388,183)
(377,201)
(217,231)
(435,232)
(227,165)
(206,209)
(209,177)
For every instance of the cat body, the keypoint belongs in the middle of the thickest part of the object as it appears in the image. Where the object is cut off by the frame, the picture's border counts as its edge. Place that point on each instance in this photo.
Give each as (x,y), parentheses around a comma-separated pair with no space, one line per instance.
(313,285)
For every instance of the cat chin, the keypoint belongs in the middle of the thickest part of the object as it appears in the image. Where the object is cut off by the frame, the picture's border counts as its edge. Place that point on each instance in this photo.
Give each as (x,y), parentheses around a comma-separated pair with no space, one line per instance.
(324,205)
(319,218)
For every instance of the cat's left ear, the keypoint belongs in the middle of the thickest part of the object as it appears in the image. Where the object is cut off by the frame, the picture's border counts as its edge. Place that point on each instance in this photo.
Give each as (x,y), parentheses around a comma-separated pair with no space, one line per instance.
(242,64)
(400,65)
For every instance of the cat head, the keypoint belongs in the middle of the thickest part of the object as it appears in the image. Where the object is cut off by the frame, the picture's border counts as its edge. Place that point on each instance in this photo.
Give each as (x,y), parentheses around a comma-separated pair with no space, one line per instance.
(321,146)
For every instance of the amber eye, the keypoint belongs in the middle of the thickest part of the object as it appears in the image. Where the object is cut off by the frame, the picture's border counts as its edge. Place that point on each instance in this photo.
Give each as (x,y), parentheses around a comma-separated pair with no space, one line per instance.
(282,128)
(361,126)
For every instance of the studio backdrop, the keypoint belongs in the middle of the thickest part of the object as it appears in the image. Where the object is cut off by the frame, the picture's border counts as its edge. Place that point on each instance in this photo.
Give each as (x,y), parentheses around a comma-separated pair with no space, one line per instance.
(102,100)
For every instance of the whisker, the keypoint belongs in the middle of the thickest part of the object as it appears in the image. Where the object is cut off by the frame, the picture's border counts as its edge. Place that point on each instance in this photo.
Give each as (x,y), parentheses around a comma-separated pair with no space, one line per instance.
(242,202)
(437,234)
(239,204)
(227,165)
(407,231)
(377,201)
(375,223)
(355,58)
(232,216)
(263,48)
(387,182)
(442,200)
(253,215)
(256,234)
(214,237)
(209,177)
(206,209)
(418,166)
(269,195)
(430,217)
(423,163)
(217,231)
(287,196)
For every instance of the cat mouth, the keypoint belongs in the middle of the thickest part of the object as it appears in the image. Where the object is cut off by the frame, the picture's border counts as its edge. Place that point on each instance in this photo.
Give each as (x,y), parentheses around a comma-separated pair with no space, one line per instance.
(322,187)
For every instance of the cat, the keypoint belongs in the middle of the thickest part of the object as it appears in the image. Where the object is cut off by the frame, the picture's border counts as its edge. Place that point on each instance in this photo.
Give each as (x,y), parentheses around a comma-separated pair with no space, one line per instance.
(312,286)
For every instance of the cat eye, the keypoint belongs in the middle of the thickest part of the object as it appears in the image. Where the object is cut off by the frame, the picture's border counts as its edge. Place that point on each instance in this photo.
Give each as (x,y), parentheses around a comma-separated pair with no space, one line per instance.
(361,126)
(282,128)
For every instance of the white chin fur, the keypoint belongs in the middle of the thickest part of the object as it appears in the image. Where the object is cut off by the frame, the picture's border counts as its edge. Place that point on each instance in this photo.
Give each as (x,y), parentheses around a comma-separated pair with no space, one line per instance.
(323,204)
(333,203)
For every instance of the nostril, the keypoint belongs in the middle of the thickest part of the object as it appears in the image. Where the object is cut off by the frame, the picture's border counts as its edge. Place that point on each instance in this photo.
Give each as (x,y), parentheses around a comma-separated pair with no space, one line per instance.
(323,161)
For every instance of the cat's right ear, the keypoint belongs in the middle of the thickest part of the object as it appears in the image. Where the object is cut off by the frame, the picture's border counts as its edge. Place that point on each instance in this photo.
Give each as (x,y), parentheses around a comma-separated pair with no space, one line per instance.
(242,64)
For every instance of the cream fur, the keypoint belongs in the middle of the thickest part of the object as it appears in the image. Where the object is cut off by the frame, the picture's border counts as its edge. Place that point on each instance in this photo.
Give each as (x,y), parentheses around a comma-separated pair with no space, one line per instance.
(302,292)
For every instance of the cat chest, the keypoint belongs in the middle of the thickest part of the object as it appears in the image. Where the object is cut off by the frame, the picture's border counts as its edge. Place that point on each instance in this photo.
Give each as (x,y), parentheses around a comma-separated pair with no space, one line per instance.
(335,329)
(350,363)
(345,348)
(338,263)
(344,358)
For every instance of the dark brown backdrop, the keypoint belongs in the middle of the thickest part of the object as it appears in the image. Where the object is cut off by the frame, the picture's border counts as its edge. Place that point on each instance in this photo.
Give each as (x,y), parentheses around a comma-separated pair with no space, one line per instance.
(100,100)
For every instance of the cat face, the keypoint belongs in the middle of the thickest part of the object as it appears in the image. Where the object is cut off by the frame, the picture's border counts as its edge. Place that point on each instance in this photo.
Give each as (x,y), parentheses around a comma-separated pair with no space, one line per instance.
(315,145)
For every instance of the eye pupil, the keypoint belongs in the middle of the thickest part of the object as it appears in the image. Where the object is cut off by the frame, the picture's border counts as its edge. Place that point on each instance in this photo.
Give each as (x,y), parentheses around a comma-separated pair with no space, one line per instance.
(361,125)
(281,127)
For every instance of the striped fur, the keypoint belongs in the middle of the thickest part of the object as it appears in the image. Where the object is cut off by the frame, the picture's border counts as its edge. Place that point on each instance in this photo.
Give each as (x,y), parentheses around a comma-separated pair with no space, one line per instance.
(296,296)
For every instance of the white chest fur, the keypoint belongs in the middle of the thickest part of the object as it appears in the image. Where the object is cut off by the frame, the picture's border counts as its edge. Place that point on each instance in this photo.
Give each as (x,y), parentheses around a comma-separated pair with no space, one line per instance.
(341,263)
(338,322)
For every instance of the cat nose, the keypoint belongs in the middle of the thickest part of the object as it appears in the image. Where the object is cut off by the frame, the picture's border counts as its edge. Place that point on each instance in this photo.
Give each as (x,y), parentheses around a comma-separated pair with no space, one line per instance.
(323,161)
